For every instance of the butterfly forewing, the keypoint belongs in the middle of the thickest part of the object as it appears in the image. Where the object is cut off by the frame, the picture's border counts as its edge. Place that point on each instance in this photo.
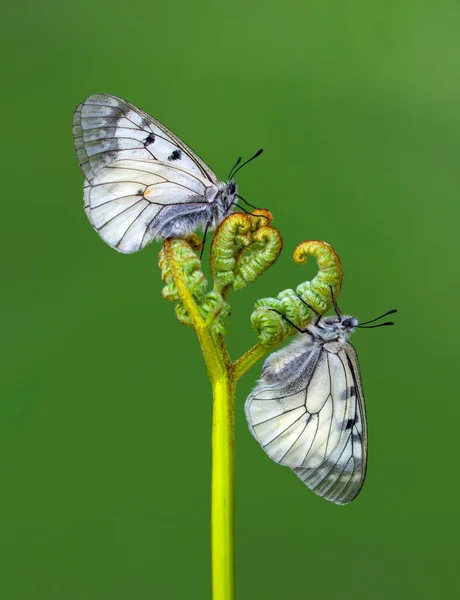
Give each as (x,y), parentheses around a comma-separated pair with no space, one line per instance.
(107,128)
(307,412)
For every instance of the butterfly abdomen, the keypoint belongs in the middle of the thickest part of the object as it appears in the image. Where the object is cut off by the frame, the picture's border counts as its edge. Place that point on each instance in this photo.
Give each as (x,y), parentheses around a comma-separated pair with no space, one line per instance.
(173,225)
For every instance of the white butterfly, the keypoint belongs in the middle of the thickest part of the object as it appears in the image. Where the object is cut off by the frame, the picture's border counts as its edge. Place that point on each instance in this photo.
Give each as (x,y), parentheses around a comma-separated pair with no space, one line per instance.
(307,410)
(142,182)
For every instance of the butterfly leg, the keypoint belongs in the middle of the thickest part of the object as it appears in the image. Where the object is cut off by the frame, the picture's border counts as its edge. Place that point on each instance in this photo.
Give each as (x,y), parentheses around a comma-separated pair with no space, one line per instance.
(242,208)
(249,204)
(336,307)
(208,224)
(247,212)
(291,323)
(311,308)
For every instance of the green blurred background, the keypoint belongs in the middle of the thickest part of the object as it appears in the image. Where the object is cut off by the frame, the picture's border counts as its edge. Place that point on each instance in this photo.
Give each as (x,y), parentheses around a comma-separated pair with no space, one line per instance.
(105,410)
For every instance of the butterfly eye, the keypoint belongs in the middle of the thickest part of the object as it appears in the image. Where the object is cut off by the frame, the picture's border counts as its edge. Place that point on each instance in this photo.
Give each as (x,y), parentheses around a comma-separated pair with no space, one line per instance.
(347,323)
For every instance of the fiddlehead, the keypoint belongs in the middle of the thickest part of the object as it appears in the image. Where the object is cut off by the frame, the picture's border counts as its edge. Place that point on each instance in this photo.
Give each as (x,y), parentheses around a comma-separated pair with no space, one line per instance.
(244,247)
(270,325)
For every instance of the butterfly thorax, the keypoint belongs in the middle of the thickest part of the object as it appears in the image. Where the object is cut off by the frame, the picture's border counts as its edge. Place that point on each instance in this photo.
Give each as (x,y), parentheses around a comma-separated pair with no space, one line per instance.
(333,329)
(227,193)
(223,201)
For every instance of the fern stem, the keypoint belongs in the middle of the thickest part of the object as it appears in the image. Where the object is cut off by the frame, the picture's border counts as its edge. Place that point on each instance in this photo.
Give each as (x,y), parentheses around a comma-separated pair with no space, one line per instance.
(223,489)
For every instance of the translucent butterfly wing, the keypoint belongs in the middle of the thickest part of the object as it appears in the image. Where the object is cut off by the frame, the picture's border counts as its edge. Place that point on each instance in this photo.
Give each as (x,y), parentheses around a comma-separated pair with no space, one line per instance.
(307,412)
(130,202)
(341,475)
(107,128)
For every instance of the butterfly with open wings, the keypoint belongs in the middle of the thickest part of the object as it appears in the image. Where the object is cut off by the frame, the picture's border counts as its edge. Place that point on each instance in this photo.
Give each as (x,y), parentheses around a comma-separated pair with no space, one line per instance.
(142,182)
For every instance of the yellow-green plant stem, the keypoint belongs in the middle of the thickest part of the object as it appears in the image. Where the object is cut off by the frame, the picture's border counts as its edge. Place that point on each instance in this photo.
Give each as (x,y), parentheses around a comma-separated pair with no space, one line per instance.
(223,489)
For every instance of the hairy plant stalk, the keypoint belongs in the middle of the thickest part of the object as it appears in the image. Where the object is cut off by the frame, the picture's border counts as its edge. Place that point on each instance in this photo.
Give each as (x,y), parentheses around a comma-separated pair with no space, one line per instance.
(249,358)
(220,372)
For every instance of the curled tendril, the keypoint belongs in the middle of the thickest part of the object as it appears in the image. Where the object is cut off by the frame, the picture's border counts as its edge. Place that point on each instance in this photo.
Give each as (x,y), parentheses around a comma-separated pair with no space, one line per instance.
(186,285)
(243,248)
(271,327)
(317,292)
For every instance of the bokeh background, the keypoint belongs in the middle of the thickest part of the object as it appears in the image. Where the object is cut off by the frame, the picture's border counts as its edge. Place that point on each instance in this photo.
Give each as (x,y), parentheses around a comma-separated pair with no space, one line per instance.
(105,407)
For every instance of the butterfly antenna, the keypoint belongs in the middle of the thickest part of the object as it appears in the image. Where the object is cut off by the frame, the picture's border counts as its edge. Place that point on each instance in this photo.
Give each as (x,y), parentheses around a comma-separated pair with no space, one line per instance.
(233,168)
(258,153)
(336,308)
(390,312)
(373,326)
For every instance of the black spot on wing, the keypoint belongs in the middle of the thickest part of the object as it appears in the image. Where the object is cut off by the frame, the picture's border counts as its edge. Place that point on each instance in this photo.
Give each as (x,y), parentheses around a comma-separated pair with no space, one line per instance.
(349,393)
(175,155)
(149,139)
(349,423)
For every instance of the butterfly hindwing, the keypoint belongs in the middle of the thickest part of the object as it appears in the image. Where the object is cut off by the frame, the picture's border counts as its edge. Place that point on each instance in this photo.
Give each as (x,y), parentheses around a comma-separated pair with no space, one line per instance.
(130,202)
(307,413)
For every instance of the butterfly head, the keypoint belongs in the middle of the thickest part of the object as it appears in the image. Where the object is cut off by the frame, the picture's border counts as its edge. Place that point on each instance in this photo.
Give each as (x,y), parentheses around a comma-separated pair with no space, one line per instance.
(340,327)
(228,192)
(232,188)
(336,328)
